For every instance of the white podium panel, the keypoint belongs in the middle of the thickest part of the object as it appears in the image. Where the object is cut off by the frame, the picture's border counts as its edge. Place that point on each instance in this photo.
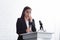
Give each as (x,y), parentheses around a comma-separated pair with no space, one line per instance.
(37,36)
(44,36)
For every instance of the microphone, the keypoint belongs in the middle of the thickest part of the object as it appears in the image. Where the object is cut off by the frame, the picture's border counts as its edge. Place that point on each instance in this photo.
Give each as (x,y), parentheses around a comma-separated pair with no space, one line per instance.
(41,25)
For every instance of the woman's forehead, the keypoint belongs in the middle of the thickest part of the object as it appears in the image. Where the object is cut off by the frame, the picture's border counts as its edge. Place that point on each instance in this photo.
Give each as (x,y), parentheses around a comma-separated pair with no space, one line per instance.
(28,10)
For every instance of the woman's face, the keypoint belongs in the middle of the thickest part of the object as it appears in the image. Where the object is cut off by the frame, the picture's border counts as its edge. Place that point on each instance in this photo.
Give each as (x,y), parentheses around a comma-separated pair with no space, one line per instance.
(27,13)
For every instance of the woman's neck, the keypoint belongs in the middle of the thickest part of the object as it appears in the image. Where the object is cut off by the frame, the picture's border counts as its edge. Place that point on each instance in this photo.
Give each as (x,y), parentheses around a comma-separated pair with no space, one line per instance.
(26,19)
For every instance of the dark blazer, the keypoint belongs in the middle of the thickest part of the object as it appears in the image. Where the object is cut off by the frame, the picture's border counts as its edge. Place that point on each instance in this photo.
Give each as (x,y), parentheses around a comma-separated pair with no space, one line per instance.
(21,27)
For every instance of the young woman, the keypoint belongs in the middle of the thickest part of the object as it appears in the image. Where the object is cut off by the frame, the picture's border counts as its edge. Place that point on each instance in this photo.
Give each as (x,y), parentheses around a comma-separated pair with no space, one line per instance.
(25,23)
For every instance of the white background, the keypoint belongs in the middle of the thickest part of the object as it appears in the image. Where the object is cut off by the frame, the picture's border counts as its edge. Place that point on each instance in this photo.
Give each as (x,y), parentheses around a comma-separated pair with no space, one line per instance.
(48,11)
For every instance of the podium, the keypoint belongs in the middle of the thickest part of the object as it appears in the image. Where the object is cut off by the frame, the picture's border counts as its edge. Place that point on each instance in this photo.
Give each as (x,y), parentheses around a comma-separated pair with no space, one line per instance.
(37,36)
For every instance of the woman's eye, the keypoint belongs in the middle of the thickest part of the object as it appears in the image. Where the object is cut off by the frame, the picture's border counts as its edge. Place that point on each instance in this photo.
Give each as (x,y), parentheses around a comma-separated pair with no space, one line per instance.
(27,11)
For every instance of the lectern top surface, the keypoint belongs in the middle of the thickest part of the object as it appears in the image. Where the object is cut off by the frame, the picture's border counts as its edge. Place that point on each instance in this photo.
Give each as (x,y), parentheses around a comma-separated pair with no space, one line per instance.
(36,32)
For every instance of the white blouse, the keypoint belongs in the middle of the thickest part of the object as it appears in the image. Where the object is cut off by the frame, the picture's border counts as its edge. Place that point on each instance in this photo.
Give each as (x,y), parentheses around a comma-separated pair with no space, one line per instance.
(27,23)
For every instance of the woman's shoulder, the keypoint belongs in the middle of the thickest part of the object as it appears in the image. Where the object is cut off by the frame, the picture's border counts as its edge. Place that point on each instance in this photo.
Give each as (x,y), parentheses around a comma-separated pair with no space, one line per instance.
(19,19)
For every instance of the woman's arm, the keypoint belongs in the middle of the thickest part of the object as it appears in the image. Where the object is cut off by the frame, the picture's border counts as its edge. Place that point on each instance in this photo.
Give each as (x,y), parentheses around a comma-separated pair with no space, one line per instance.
(19,28)
(33,25)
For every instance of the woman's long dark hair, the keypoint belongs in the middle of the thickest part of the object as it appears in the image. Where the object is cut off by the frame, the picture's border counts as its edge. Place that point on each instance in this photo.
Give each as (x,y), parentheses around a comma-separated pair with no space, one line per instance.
(23,12)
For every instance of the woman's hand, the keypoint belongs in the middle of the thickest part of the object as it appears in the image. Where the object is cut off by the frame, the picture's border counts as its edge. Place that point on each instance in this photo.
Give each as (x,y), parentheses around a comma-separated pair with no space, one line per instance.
(28,30)
(30,18)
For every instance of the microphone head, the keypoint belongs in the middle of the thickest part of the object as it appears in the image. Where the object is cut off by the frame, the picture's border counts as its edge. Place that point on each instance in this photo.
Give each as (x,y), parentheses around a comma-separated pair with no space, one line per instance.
(40,22)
